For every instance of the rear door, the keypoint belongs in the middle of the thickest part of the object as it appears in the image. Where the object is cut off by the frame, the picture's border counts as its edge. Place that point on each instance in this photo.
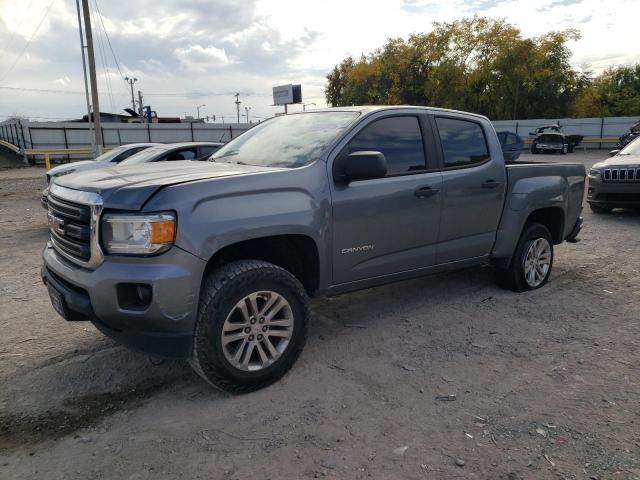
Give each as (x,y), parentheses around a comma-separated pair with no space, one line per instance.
(473,188)
(388,225)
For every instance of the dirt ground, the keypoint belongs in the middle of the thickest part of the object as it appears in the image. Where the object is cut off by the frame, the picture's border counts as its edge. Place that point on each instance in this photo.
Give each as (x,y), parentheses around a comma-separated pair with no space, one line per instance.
(546,383)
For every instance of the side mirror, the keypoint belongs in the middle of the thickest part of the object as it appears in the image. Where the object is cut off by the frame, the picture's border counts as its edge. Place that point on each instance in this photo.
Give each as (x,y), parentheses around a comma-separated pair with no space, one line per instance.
(364,165)
(613,153)
(533,133)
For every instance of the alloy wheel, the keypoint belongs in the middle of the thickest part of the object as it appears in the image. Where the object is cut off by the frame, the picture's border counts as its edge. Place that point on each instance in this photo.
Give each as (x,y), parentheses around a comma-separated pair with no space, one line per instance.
(537,262)
(257,331)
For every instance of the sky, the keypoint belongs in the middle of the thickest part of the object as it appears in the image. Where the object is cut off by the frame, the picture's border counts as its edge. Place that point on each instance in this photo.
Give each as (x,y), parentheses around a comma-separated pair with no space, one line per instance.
(186,53)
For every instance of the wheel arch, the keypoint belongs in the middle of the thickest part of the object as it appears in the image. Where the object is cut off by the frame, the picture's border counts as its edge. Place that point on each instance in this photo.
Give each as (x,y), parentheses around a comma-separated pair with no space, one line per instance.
(552,218)
(296,253)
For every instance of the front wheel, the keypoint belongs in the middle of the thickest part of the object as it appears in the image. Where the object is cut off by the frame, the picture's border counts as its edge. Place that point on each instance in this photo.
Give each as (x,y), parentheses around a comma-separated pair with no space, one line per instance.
(530,266)
(251,326)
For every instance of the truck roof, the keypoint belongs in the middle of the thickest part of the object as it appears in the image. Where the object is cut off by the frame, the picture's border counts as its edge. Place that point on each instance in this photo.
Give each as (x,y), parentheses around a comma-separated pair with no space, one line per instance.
(373,108)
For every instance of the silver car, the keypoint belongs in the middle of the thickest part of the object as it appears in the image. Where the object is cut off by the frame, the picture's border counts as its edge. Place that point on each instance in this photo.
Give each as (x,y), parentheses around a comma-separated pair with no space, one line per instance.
(107,159)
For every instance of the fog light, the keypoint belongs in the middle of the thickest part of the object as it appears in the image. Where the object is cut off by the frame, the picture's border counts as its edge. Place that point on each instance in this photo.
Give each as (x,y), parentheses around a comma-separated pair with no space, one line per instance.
(134,296)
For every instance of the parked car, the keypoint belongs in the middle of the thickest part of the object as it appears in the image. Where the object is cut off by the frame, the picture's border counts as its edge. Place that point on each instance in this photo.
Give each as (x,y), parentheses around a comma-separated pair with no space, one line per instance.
(551,138)
(107,159)
(215,261)
(632,134)
(512,145)
(175,151)
(615,183)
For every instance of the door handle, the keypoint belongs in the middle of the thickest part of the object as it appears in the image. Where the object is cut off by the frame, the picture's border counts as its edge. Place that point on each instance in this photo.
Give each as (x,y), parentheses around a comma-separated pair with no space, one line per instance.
(424,192)
(491,184)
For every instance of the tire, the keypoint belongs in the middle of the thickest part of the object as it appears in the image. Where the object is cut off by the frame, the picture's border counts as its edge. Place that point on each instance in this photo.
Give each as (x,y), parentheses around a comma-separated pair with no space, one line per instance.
(599,209)
(565,149)
(534,150)
(571,147)
(514,277)
(223,300)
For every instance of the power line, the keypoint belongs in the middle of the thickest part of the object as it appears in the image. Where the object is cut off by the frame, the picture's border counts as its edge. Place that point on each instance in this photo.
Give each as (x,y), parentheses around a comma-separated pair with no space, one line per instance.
(104,29)
(17,29)
(103,58)
(26,45)
(153,94)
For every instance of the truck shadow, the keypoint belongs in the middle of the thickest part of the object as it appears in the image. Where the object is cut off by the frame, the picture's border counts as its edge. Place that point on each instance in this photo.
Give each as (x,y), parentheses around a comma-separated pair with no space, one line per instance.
(77,389)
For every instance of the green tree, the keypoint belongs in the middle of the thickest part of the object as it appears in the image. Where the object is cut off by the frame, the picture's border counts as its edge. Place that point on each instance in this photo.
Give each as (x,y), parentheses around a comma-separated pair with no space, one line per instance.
(476,64)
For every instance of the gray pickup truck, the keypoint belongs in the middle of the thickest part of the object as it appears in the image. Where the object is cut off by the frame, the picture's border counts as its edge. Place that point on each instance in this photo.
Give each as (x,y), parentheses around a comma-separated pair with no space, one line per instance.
(215,261)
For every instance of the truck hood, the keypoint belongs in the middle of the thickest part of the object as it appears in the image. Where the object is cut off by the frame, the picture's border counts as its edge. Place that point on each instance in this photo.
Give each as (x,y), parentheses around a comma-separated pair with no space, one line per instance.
(620,161)
(129,187)
(75,166)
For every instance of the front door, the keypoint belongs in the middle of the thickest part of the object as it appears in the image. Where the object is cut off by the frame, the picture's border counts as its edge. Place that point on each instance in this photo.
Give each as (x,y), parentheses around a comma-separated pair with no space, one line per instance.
(388,225)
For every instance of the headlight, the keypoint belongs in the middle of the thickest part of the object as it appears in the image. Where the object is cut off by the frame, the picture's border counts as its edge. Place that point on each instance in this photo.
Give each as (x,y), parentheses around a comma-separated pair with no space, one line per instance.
(594,172)
(133,234)
(66,172)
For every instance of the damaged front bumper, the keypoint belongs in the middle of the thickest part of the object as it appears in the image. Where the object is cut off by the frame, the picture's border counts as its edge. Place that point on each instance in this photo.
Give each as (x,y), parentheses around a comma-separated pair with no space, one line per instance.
(149,303)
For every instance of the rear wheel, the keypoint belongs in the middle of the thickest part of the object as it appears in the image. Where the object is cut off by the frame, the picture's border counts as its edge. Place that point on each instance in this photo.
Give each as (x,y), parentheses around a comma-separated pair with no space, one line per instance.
(565,149)
(251,327)
(599,208)
(534,150)
(531,264)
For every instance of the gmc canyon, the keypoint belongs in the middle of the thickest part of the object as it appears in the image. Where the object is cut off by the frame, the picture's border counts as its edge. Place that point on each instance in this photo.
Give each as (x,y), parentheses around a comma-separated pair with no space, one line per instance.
(215,261)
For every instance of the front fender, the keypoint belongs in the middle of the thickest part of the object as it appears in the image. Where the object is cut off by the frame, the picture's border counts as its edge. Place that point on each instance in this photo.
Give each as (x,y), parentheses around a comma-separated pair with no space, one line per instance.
(216,213)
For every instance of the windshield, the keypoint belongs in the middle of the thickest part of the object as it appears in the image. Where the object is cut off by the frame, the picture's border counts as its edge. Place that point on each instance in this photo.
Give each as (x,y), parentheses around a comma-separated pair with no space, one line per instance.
(288,141)
(110,155)
(632,149)
(144,156)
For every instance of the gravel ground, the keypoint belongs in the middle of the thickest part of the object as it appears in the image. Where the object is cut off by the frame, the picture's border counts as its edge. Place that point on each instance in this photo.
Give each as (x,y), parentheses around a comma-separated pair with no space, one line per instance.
(546,383)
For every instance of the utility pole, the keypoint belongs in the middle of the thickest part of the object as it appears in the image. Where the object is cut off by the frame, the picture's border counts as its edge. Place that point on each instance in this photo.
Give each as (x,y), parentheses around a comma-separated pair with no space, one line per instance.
(131,81)
(140,105)
(198,110)
(92,76)
(238,102)
(86,84)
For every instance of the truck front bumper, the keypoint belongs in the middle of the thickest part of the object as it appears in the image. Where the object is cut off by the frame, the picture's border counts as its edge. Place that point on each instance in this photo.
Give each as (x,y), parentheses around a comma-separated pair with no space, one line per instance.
(161,324)
(614,194)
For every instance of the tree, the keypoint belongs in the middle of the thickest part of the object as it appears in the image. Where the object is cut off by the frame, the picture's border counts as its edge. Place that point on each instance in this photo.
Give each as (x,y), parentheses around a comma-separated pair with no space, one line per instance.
(476,64)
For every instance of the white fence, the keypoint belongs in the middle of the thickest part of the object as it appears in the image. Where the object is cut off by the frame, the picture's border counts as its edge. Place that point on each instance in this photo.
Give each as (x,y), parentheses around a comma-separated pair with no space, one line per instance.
(69,135)
(65,135)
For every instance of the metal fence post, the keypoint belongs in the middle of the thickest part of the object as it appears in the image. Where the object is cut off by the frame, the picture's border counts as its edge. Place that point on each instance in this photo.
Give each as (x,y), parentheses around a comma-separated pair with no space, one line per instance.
(516,128)
(191,126)
(148,132)
(230,132)
(119,137)
(601,130)
(24,145)
(66,142)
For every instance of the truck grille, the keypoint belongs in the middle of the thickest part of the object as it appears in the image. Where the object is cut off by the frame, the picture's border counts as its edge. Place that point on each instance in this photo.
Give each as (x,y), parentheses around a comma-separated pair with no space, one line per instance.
(70,227)
(621,174)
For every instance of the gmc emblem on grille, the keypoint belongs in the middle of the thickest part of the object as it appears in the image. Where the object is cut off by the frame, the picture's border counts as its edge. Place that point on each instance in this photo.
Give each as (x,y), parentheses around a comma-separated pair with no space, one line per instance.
(55,223)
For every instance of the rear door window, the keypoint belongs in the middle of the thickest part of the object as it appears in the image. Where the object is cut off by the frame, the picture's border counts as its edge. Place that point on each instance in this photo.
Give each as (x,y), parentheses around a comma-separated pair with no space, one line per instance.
(463,142)
(399,139)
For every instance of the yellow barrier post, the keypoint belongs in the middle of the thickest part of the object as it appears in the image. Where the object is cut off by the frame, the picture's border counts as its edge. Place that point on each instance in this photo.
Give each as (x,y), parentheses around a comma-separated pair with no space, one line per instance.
(47,163)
